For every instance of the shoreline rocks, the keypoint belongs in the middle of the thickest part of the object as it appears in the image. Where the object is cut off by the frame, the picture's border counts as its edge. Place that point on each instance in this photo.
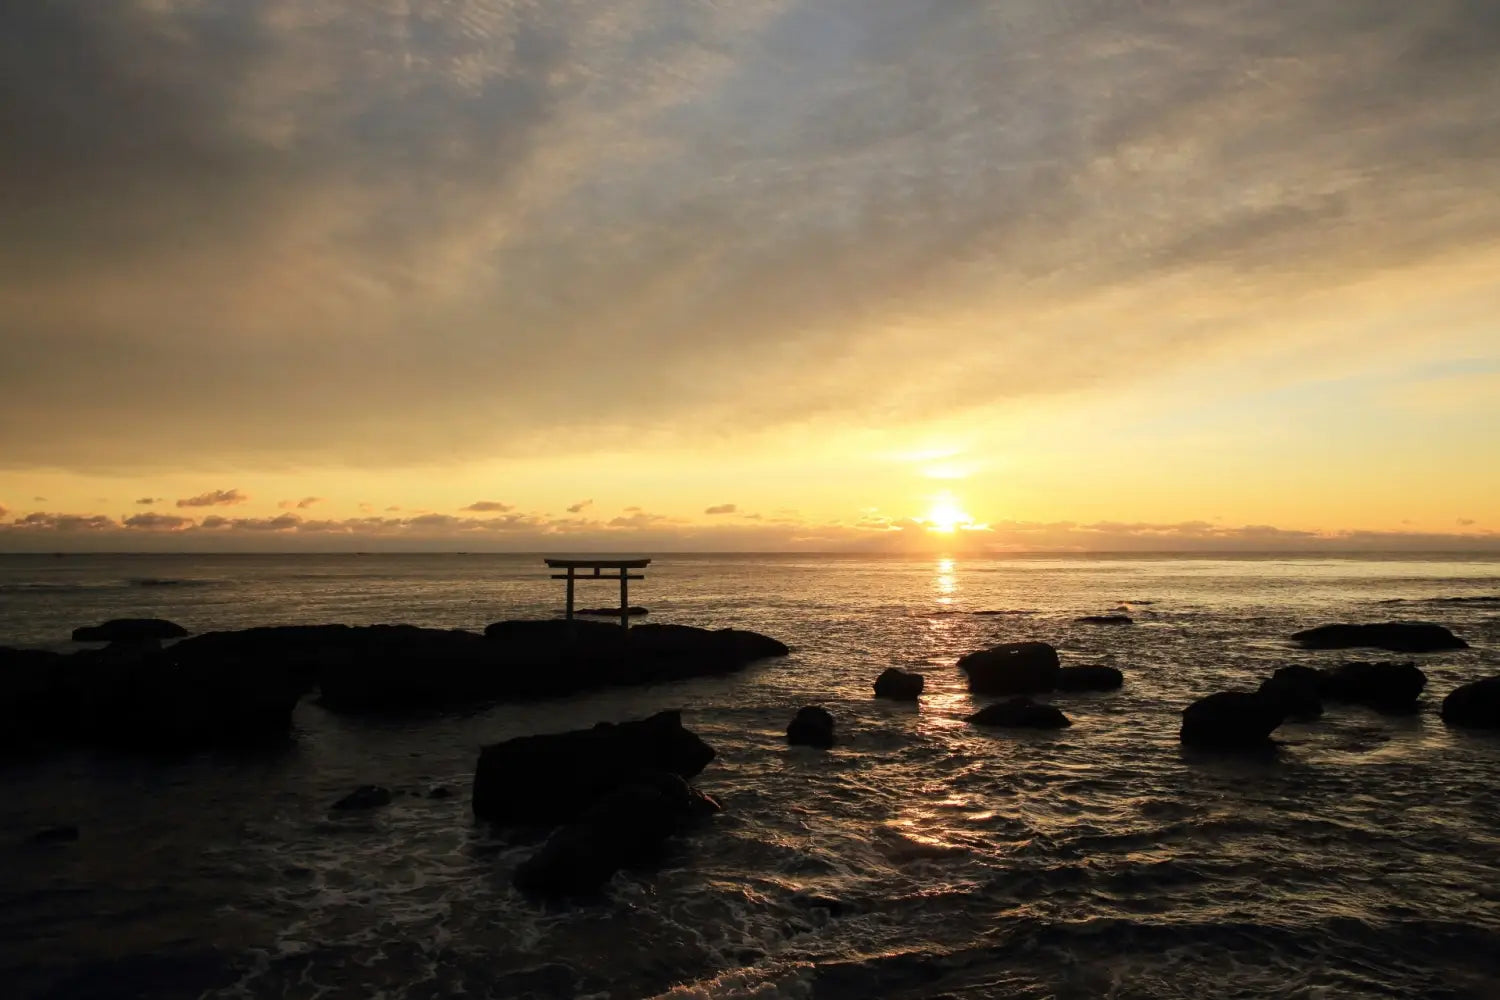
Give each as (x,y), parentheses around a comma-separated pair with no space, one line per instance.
(1475,705)
(130,630)
(1012,668)
(1230,720)
(1021,713)
(1090,677)
(1298,690)
(1118,619)
(1385,687)
(1397,637)
(899,685)
(812,726)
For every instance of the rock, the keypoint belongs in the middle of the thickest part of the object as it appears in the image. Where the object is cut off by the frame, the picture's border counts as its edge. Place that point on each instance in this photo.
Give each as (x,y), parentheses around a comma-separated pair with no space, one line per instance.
(812,726)
(440,792)
(634,611)
(1385,687)
(1021,713)
(1012,668)
(899,684)
(54,835)
(555,777)
(1105,620)
(364,797)
(1231,720)
(1297,690)
(1089,678)
(625,827)
(130,630)
(1398,637)
(1475,705)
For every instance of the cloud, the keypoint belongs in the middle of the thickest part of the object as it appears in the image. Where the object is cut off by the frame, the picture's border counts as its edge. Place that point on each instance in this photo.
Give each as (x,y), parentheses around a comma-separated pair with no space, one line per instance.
(1464,522)
(302,504)
(4,510)
(722,508)
(214,498)
(489,505)
(39,499)
(741,206)
(152,521)
(66,523)
(580,506)
(147,501)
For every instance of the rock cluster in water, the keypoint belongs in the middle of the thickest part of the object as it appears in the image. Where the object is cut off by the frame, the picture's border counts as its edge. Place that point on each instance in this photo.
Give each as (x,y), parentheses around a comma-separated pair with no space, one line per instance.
(1397,637)
(239,687)
(615,792)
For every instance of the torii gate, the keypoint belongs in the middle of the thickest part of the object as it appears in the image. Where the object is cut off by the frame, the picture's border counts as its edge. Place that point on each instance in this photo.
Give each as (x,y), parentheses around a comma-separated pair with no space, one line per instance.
(624,566)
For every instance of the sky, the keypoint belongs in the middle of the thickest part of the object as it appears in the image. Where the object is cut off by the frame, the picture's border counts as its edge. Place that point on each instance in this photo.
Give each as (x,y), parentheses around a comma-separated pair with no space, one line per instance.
(771,274)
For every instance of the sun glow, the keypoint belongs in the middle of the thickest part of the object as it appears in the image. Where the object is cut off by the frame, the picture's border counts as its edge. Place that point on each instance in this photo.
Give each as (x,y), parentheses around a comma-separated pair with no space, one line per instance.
(945,516)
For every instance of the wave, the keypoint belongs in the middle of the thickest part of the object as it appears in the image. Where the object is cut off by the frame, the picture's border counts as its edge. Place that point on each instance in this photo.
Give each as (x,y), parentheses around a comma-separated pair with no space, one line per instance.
(167,581)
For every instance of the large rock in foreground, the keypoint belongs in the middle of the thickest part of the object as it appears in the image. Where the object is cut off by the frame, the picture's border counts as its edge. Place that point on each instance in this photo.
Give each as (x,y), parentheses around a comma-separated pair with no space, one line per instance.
(812,726)
(1385,687)
(1231,720)
(1012,668)
(1398,637)
(1475,705)
(556,777)
(1021,713)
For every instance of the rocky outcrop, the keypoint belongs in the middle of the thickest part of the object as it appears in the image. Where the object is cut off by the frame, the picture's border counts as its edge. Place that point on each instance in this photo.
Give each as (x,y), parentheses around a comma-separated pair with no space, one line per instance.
(1021,713)
(1012,668)
(1298,690)
(1231,720)
(1385,687)
(364,797)
(812,726)
(1105,620)
(634,611)
(556,777)
(1089,678)
(130,630)
(1475,705)
(1398,637)
(625,827)
(899,685)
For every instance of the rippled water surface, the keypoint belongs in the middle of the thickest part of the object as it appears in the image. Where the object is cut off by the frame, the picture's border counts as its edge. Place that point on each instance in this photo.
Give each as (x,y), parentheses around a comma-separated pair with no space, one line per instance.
(920,858)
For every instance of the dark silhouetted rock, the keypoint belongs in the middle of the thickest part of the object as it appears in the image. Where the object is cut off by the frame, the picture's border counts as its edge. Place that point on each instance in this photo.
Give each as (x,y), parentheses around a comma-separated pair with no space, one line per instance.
(1012,668)
(1021,713)
(1475,705)
(625,827)
(899,684)
(364,797)
(1231,720)
(1298,690)
(54,835)
(130,630)
(1089,678)
(634,611)
(440,792)
(1398,637)
(1105,620)
(555,777)
(1385,687)
(812,726)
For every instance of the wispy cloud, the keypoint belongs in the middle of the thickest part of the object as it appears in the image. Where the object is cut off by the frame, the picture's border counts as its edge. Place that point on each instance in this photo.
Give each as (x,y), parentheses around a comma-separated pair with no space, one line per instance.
(489,505)
(416,221)
(302,504)
(214,498)
(580,506)
(147,501)
(721,508)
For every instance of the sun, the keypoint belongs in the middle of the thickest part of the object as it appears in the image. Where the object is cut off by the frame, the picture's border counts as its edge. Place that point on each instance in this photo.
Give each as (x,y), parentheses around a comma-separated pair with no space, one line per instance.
(945,516)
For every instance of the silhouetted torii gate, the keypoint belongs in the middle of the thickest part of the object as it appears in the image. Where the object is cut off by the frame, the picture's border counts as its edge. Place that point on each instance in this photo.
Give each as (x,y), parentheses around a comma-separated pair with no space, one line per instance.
(598,566)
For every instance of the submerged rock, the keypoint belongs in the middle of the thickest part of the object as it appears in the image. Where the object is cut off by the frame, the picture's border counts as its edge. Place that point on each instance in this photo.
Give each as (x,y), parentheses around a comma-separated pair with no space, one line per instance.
(1012,668)
(1021,713)
(1297,689)
(130,630)
(1385,687)
(556,777)
(1231,720)
(1089,678)
(364,797)
(899,684)
(1475,705)
(54,835)
(812,726)
(1398,637)
(626,826)
(634,611)
(1105,620)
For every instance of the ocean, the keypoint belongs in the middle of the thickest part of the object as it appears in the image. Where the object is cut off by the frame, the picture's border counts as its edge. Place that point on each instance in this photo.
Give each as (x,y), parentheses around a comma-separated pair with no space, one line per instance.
(920,858)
